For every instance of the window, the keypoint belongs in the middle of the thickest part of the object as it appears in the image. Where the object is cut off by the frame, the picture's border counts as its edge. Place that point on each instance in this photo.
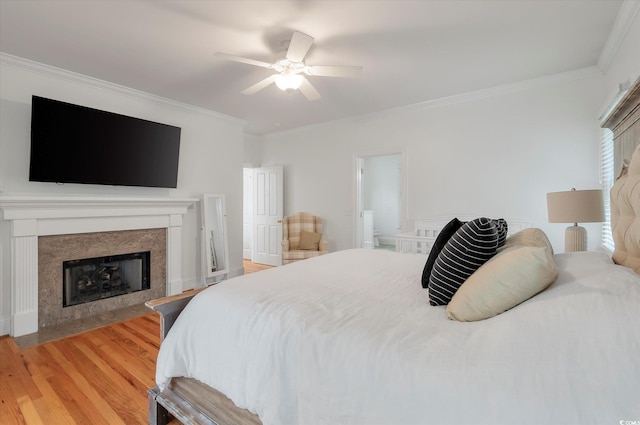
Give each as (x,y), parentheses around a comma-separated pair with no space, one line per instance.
(607,180)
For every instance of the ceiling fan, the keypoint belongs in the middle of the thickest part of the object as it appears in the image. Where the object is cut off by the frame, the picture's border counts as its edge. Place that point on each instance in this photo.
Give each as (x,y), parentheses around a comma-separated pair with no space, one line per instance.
(290,68)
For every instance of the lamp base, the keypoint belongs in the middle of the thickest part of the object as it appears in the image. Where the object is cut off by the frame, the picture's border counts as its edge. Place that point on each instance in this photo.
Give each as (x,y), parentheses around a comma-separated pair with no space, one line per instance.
(575,239)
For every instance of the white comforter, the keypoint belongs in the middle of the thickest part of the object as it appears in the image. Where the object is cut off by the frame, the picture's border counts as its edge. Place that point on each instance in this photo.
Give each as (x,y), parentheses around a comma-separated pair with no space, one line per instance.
(350,338)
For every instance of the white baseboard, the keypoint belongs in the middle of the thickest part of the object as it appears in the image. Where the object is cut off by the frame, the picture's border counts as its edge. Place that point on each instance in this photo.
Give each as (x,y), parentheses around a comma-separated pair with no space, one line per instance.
(387,241)
(238,271)
(5,327)
(194,283)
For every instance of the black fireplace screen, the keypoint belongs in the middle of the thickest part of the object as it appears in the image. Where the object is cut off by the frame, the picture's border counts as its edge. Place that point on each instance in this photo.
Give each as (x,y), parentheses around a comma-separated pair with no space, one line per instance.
(92,279)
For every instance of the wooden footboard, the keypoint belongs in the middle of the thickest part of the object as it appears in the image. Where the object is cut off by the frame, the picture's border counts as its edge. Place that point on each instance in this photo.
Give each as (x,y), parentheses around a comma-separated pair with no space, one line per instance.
(170,308)
(188,400)
(193,403)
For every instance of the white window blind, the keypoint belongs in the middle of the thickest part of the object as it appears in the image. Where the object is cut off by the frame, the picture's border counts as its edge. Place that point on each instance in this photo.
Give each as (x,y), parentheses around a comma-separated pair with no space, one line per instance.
(607,180)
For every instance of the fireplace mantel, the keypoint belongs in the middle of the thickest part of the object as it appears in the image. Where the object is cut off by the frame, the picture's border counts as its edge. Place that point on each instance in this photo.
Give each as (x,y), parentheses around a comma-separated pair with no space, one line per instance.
(42,207)
(33,216)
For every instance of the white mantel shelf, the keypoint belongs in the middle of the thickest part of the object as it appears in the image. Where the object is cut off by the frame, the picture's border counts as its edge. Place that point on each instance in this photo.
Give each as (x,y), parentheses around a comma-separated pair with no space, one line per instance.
(33,216)
(25,207)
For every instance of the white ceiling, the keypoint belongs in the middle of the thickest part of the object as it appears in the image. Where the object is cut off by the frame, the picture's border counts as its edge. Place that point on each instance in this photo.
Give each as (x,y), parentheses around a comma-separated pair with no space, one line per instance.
(411,51)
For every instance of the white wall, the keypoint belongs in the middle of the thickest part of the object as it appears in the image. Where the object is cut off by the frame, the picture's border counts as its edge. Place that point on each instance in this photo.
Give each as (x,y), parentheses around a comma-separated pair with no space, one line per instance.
(247,210)
(496,156)
(252,150)
(211,155)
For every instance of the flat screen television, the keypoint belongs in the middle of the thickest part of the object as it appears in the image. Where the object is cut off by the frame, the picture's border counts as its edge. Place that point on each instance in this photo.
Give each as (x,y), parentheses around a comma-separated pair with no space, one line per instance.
(76,144)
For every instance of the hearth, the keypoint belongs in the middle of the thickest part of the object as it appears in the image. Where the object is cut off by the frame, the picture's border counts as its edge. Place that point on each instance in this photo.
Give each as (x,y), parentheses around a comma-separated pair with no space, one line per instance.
(91,279)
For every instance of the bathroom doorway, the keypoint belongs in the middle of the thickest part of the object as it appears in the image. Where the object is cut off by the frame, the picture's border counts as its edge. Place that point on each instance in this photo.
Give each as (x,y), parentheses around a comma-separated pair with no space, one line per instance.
(380,179)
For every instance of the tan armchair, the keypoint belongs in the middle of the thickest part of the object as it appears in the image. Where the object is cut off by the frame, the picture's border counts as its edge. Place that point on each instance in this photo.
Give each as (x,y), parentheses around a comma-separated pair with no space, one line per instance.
(302,237)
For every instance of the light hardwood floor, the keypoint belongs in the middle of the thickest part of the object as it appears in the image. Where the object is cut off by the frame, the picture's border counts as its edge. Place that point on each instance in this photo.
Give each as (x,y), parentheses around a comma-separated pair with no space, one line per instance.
(250,267)
(97,377)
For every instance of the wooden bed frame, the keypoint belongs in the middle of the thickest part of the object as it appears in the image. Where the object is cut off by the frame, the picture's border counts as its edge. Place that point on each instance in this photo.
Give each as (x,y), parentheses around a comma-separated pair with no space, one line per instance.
(189,400)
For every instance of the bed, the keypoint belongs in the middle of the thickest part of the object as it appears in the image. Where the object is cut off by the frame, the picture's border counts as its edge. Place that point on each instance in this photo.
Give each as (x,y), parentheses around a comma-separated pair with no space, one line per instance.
(310,355)
(351,338)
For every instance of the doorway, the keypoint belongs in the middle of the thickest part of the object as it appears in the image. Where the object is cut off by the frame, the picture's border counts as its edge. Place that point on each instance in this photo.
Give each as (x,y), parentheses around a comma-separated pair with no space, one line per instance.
(380,199)
(262,214)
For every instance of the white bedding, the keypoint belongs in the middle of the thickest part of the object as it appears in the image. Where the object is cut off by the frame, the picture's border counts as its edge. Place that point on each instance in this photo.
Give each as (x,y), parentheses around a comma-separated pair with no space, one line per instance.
(350,338)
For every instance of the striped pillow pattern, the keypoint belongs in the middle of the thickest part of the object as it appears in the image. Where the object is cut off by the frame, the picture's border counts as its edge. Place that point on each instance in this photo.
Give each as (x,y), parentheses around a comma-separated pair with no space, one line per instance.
(468,249)
(443,237)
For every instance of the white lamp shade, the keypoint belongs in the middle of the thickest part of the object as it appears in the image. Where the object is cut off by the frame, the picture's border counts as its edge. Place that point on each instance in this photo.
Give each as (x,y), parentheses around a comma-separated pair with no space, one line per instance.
(575,206)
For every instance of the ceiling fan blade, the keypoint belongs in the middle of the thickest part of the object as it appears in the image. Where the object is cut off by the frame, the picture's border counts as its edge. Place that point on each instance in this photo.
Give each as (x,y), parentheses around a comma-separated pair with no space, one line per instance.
(334,71)
(259,86)
(243,60)
(309,91)
(299,46)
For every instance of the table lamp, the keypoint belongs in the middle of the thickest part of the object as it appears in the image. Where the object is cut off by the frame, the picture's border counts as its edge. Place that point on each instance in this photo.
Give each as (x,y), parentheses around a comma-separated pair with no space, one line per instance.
(575,206)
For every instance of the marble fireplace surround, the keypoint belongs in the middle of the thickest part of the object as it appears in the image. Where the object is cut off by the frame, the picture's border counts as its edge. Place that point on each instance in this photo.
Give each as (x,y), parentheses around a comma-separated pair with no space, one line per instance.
(55,249)
(34,216)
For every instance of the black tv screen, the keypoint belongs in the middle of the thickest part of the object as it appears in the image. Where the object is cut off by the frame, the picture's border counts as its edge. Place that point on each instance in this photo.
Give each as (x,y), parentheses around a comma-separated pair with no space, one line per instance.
(76,144)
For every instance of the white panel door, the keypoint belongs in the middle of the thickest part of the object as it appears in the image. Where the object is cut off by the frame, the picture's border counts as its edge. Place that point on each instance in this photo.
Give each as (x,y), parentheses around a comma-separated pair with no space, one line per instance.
(268,192)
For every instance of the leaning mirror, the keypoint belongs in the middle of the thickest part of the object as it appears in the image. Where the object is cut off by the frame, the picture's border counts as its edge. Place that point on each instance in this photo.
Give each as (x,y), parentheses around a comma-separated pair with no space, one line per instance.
(214,236)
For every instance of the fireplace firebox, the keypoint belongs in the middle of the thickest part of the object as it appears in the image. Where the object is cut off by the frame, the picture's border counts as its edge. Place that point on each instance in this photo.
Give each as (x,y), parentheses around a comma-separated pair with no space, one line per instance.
(92,279)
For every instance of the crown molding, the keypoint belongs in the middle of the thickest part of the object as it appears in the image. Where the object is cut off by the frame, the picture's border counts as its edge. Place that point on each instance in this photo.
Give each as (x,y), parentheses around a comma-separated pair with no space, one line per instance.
(501,90)
(625,18)
(504,89)
(63,74)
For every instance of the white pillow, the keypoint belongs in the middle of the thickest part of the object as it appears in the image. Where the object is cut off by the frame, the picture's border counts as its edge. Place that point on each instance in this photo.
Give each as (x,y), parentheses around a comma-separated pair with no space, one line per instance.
(509,278)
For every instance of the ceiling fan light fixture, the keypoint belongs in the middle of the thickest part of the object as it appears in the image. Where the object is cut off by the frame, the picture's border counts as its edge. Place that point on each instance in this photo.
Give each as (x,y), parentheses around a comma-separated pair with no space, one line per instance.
(289,66)
(288,81)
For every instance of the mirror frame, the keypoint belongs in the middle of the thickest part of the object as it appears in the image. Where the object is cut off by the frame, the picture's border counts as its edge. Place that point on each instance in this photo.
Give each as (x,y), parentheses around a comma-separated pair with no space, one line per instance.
(214,235)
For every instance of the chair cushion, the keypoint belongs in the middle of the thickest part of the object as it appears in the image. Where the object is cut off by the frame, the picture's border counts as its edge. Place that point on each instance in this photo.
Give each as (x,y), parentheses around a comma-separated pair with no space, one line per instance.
(293,226)
(297,255)
(443,237)
(309,240)
(468,249)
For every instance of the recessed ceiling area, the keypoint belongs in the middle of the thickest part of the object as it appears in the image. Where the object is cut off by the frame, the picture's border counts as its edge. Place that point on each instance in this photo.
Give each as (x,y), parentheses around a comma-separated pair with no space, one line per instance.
(410,51)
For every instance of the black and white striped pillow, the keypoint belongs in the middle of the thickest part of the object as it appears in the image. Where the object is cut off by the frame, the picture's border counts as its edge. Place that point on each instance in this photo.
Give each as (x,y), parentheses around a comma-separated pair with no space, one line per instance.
(468,249)
(445,234)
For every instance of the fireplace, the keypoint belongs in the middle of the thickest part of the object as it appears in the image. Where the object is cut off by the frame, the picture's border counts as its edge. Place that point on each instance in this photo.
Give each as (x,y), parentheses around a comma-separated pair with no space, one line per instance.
(36,290)
(97,274)
(91,279)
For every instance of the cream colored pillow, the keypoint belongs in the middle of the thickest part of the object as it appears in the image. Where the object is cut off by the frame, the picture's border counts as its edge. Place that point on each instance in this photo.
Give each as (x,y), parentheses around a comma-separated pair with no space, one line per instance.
(309,240)
(528,237)
(509,278)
